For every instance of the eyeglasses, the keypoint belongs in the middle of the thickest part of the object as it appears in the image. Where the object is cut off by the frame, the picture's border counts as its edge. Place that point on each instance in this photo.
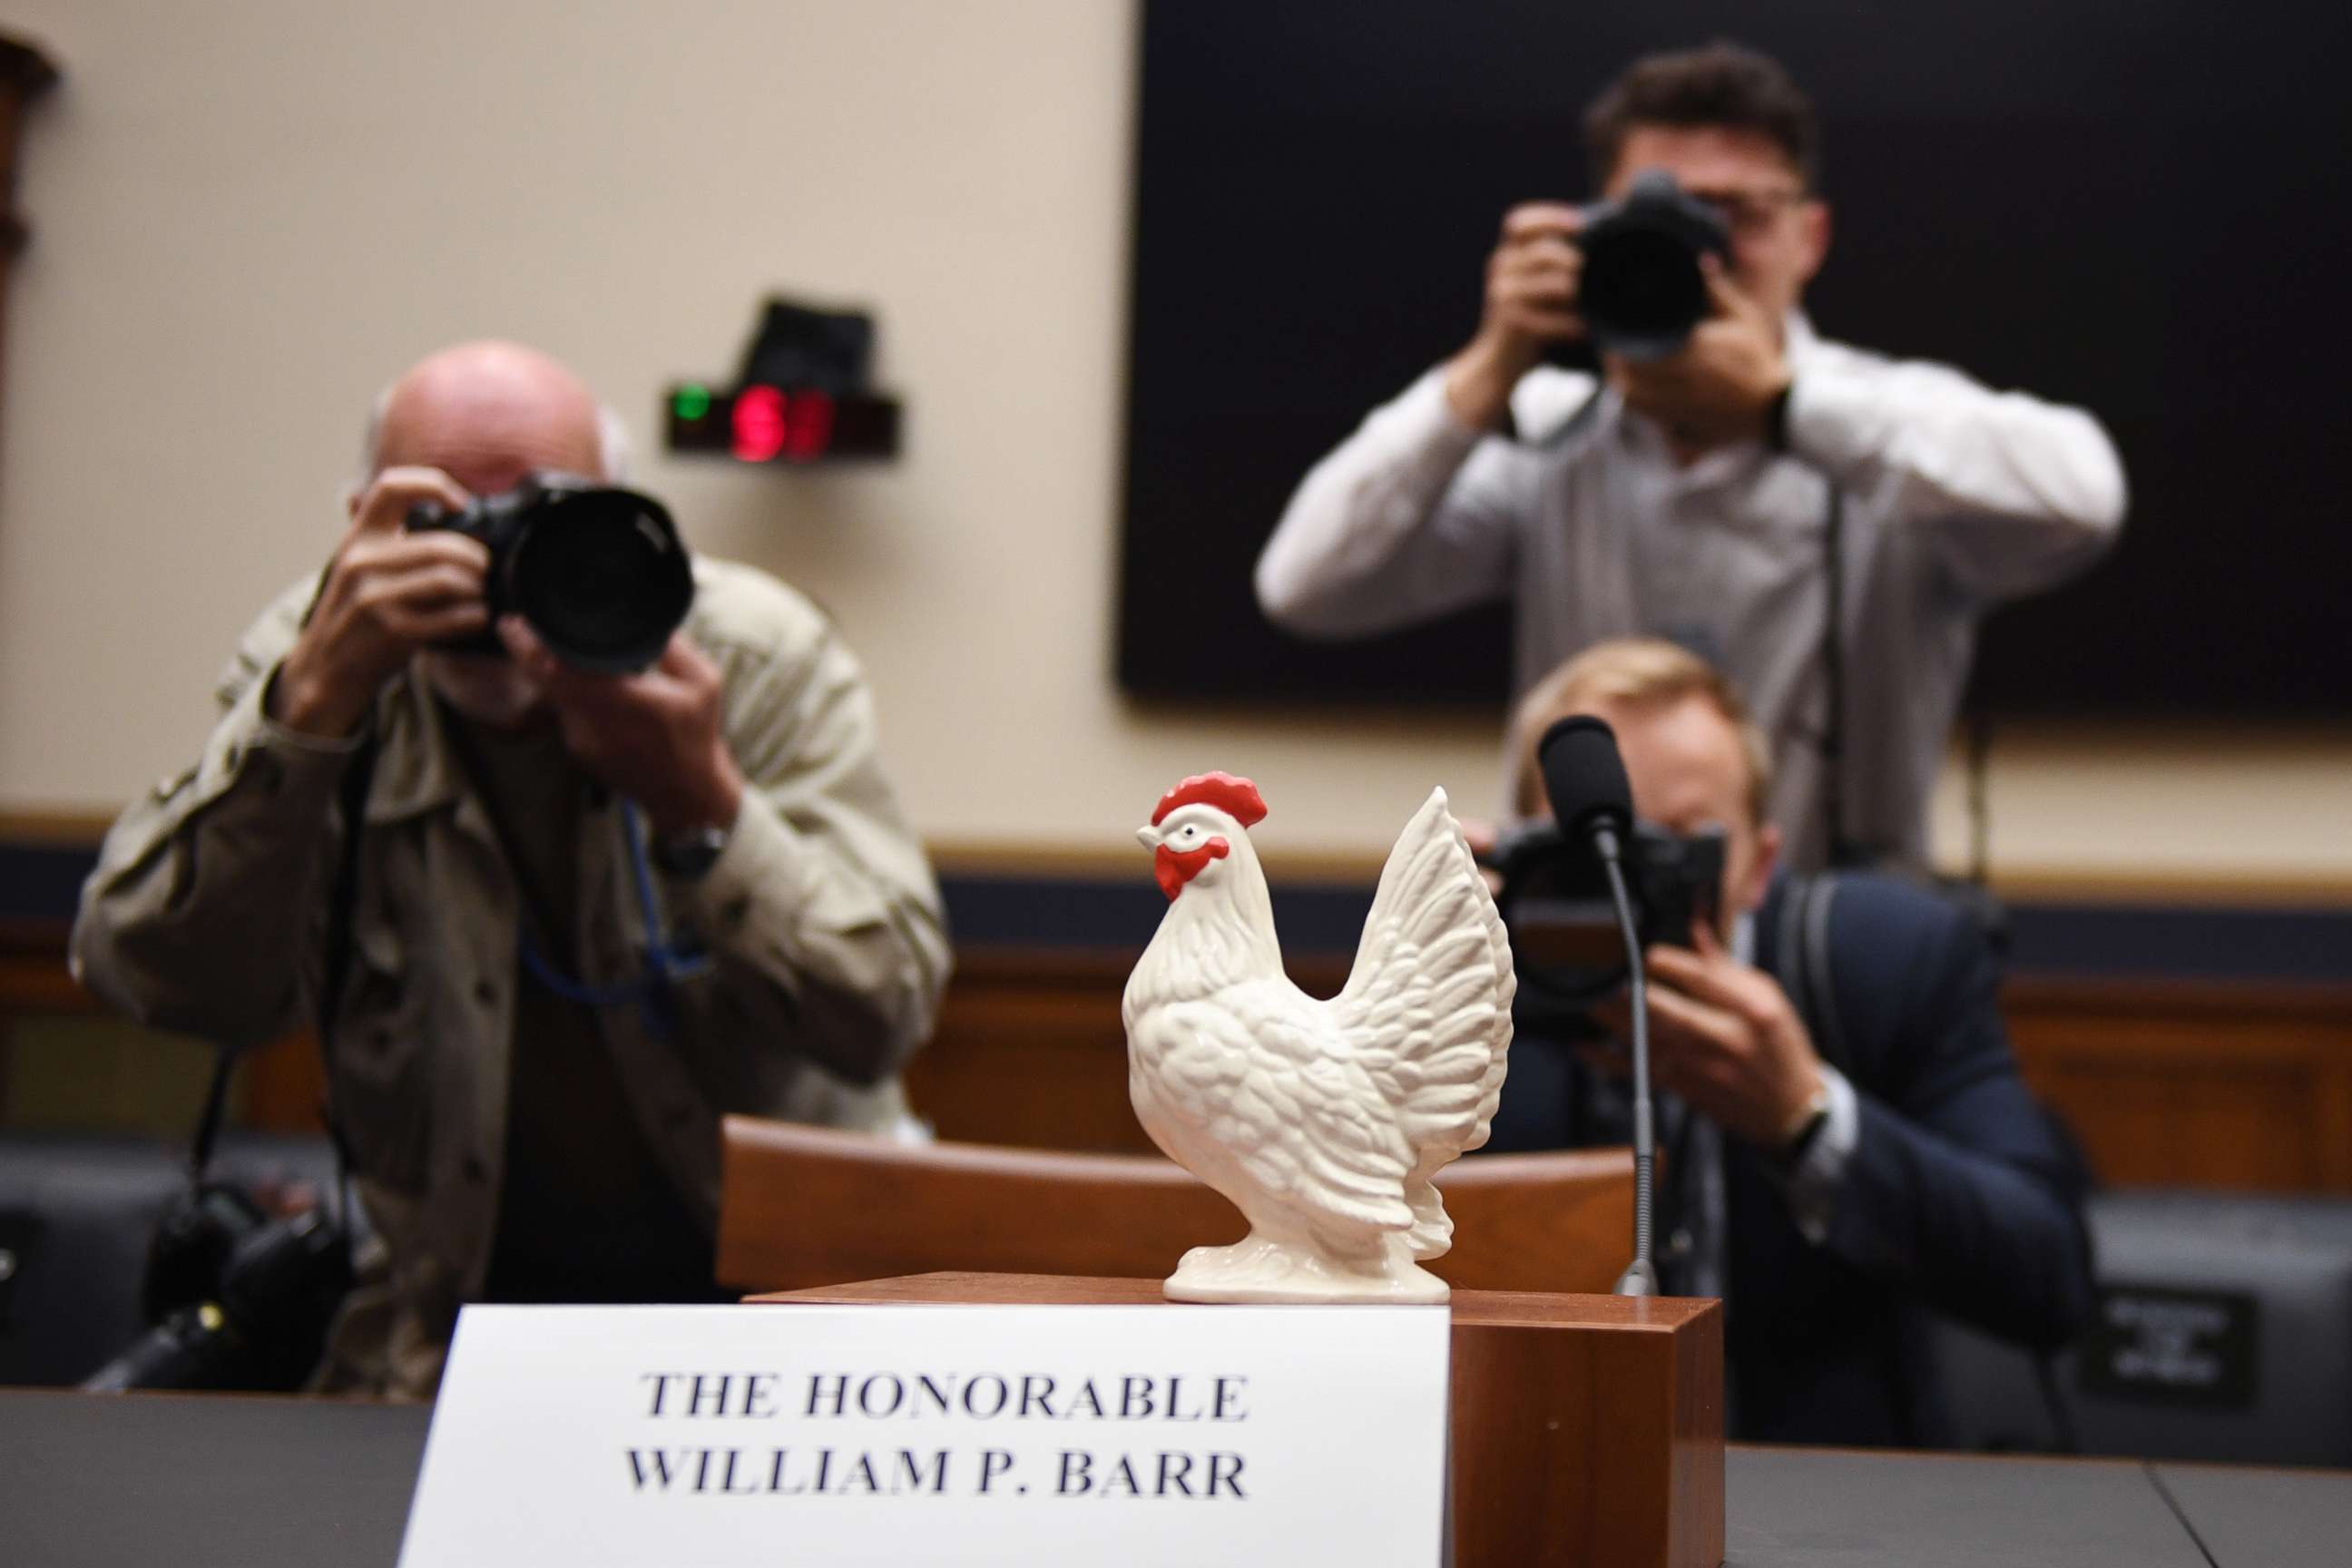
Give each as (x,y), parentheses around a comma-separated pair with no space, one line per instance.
(1749,212)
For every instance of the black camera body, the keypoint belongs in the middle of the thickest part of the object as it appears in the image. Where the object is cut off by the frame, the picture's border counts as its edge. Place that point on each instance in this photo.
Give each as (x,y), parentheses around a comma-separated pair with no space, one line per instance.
(1555,902)
(1641,290)
(598,571)
(239,1299)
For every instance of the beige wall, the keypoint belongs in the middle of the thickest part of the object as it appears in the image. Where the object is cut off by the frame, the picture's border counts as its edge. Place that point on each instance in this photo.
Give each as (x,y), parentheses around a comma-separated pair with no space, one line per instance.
(247,216)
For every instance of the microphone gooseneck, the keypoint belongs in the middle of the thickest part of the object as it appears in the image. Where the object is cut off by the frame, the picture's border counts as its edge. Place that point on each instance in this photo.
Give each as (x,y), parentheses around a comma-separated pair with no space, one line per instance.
(1641,1276)
(1584,779)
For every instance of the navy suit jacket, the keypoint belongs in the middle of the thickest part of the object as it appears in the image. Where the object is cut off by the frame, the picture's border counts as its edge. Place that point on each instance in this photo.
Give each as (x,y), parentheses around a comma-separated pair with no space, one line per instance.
(1962,1196)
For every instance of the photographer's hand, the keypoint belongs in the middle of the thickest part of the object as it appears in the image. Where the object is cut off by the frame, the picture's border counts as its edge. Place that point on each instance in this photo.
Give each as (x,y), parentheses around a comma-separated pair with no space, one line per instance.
(1531,281)
(387,594)
(1719,388)
(1725,1038)
(652,736)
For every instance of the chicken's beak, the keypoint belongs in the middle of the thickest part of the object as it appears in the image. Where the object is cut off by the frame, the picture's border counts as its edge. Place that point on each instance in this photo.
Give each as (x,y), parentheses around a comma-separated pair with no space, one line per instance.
(1148,836)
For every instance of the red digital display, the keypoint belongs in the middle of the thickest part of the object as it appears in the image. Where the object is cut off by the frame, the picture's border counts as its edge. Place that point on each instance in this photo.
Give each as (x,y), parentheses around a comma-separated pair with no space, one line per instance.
(762,424)
(808,427)
(759,423)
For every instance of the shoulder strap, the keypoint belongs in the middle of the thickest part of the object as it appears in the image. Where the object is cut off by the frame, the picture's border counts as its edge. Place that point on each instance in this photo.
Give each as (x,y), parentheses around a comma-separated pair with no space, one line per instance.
(1574,426)
(342,901)
(343,898)
(358,773)
(1803,964)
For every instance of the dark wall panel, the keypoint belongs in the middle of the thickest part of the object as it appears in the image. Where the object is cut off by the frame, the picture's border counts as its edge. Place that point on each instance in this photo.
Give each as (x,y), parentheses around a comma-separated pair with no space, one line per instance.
(2139,207)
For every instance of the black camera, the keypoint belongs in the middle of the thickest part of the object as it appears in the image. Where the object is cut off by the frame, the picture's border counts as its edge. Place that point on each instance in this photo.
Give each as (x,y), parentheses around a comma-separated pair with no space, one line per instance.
(1555,902)
(239,1299)
(1641,290)
(599,572)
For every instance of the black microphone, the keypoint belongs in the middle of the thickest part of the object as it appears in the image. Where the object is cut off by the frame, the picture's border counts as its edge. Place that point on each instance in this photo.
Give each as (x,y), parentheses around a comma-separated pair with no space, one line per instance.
(1584,779)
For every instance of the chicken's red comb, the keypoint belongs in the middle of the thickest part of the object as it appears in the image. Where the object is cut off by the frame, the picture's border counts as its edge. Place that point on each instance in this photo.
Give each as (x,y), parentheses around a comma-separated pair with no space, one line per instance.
(1236,797)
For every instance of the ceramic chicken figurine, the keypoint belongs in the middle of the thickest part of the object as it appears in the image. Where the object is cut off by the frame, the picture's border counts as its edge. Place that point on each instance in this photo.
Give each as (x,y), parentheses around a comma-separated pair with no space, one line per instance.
(1323,1122)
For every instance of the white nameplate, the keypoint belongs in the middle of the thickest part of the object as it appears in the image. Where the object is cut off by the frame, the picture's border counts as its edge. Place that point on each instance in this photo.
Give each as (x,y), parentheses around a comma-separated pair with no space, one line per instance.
(702,1436)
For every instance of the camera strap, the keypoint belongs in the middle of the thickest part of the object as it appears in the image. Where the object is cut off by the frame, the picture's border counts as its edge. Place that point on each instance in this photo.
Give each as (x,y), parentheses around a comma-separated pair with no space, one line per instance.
(1843,850)
(1578,421)
(1802,962)
(358,775)
(343,903)
(208,1122)
(1975,721)
(663,965)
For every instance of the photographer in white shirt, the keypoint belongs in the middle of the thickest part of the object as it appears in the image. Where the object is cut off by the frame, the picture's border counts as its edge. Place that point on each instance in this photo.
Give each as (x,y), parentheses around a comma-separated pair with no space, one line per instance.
(1691,496)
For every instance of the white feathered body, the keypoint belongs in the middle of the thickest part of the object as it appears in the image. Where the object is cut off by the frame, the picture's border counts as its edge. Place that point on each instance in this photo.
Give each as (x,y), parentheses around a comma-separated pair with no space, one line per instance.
(1325,1122)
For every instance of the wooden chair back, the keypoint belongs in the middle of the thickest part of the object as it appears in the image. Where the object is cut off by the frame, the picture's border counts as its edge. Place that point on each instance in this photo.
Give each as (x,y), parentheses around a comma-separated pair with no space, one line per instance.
(802,1207)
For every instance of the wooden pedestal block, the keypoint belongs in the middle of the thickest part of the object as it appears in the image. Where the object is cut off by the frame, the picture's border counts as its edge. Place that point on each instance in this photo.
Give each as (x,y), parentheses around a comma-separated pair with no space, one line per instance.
(1586,1430)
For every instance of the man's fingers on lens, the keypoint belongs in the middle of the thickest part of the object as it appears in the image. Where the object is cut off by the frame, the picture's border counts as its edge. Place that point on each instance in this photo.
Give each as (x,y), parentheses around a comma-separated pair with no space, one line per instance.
(434,584)
(1545,250)
(470,555)
(440,577)
(1549,270)
(384,508)
(1530,218)
(369,558)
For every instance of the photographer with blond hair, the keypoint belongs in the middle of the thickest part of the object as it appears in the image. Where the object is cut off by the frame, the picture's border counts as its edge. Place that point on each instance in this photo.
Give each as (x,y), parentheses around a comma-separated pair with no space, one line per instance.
(1848,1146)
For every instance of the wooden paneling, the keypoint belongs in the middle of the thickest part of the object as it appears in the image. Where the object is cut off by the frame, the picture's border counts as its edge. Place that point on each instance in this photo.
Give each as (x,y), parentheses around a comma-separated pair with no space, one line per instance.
(2195,1085)
(2236,1085)
(33,973)
(278,1086)
(1030,1051)
(2244,1085)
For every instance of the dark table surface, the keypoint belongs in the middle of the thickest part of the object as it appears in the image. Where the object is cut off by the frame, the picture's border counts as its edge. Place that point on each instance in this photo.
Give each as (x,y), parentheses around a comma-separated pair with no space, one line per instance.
(253,1482)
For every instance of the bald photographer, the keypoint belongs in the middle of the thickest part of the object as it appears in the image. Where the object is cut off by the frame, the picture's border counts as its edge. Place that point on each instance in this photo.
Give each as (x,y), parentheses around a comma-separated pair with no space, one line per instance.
(568,843)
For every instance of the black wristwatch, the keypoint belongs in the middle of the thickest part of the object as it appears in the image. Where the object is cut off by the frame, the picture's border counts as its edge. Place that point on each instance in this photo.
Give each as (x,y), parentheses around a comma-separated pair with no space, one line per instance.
(689,856)
(1800,1138)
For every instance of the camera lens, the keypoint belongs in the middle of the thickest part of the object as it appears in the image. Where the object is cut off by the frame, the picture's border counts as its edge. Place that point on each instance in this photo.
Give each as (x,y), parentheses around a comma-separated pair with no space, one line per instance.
(603,578)
(1642,287)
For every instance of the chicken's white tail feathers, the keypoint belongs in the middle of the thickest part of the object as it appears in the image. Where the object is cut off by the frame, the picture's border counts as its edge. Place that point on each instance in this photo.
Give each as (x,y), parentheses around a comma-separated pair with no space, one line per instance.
(1427,1007)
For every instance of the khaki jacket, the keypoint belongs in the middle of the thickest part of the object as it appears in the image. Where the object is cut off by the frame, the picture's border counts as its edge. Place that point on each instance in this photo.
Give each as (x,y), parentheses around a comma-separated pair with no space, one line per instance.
(207,914)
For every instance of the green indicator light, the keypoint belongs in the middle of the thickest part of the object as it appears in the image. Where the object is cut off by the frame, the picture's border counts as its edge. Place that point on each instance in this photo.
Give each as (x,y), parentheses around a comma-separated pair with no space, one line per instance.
(691,401)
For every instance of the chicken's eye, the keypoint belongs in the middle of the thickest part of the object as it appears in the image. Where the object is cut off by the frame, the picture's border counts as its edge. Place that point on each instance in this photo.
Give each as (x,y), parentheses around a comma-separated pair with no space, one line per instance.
(1192,833)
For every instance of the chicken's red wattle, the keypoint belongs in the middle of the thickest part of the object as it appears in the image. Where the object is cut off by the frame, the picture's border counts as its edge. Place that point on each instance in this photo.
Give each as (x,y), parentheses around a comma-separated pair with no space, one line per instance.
(1173,870)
